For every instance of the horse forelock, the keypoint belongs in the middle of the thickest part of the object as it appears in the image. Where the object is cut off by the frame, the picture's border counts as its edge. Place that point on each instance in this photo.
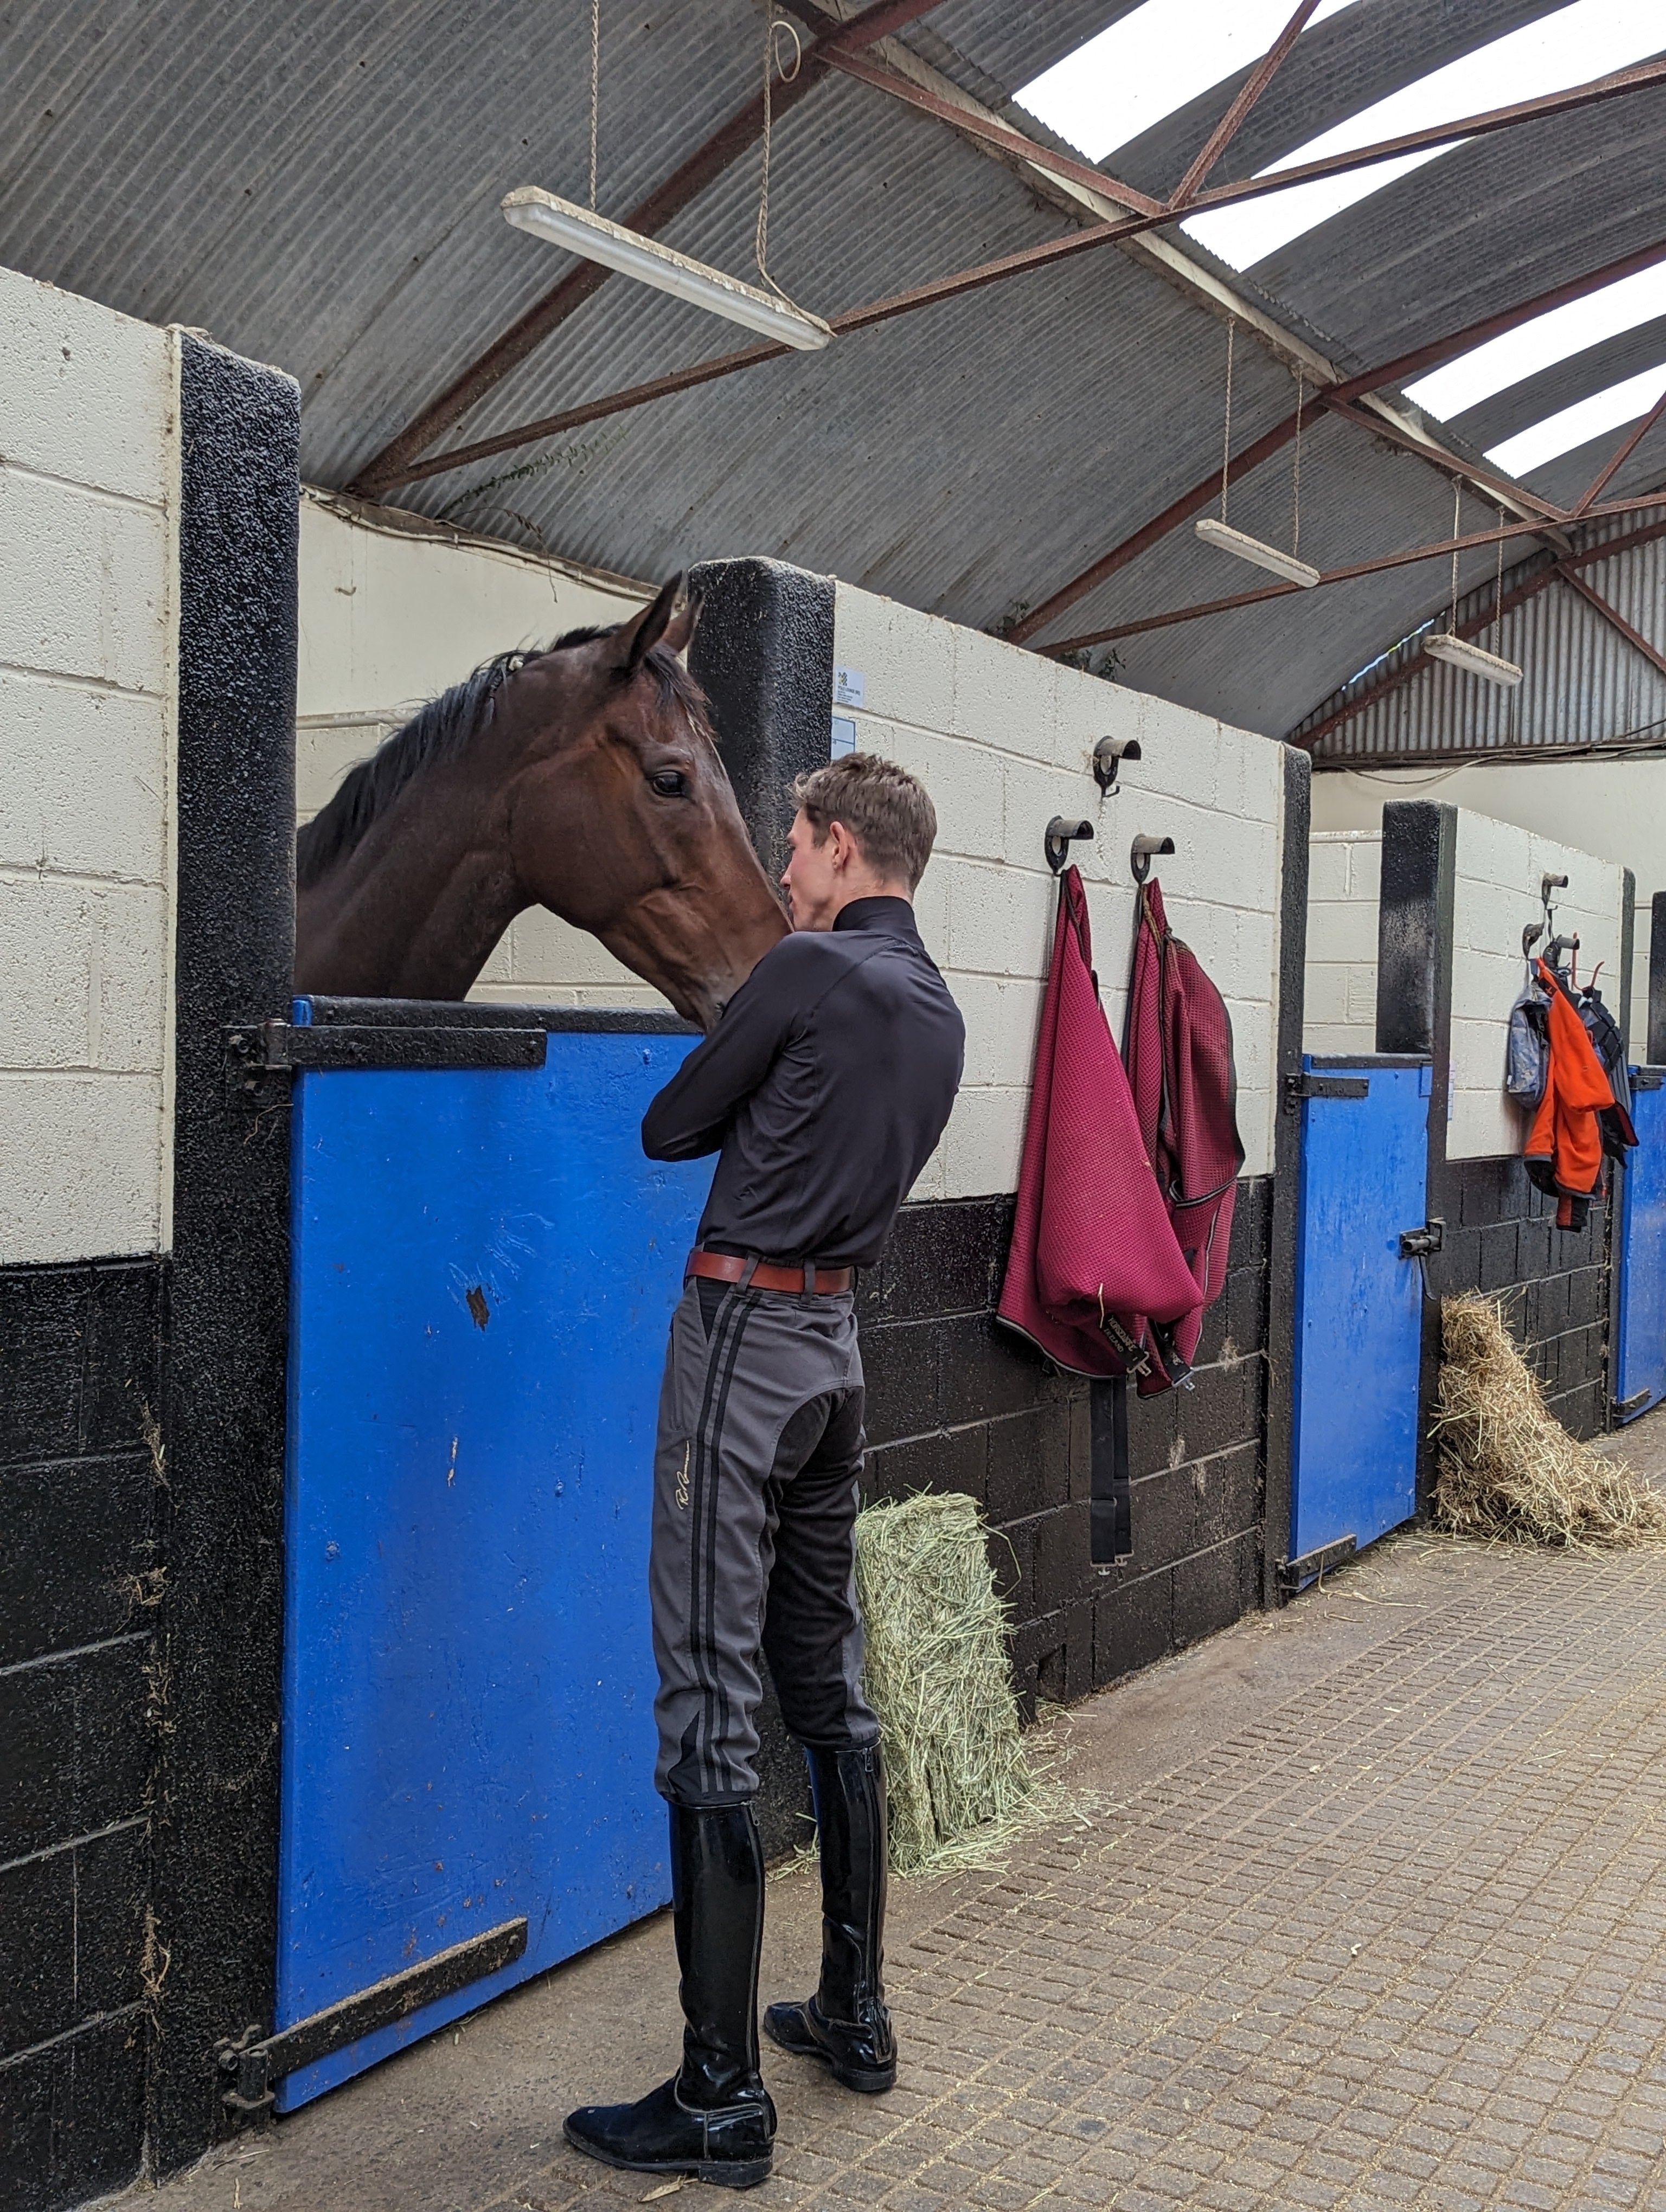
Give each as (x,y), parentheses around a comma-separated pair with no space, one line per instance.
(443,728)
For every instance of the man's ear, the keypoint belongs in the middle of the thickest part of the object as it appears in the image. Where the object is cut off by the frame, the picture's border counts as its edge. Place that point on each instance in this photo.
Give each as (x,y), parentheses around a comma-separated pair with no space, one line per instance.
(636,639)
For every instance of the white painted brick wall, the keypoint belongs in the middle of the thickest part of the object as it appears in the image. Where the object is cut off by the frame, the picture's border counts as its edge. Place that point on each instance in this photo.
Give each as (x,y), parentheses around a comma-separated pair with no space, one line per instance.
(1345,869)
(391,617)
(88,522)
(1003,740)
(1498,869)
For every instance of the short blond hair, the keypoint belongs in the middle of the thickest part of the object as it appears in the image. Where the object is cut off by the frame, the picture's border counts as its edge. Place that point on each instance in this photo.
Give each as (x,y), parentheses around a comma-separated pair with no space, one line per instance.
(888,812)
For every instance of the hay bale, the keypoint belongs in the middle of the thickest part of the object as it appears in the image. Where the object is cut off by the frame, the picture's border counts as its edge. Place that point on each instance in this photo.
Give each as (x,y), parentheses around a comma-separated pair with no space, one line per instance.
(1507,1467)
(938,1676)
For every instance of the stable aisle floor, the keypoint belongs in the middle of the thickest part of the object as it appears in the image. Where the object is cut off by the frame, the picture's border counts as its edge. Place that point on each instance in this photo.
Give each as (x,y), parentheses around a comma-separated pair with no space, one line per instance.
(1364,1905)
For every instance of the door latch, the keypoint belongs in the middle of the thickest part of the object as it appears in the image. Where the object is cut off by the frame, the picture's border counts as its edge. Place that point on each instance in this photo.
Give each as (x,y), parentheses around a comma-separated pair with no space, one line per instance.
(1420,1243)
(1306,1084)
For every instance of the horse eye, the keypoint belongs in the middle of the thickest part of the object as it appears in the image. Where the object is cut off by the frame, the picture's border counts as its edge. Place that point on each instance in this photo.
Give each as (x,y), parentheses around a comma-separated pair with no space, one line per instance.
(669,783)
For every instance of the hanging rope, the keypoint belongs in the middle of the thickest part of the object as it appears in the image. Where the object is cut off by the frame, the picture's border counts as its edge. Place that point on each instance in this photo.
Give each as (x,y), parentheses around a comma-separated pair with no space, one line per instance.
(1226,435)
(772,25)
(1296,529)
(1498,591)
(595,89)
(1457,506)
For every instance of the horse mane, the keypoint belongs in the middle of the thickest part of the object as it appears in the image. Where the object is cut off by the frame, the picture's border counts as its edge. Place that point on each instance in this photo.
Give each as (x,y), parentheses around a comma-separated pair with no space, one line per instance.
(439,731)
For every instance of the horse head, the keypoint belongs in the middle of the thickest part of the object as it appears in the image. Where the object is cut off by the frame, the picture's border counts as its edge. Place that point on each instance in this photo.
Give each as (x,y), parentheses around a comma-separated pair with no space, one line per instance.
(585,778)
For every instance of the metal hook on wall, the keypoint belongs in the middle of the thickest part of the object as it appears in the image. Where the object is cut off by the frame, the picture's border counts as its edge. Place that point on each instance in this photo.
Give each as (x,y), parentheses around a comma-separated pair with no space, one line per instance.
(1108,757)
(1061,834)
(1144,850)
(1535,930)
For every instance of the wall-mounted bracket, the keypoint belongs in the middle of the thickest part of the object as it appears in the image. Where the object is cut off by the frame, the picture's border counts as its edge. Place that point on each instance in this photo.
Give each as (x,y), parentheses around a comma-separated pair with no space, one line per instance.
(1108,757)
(1061,834)
(1144,851)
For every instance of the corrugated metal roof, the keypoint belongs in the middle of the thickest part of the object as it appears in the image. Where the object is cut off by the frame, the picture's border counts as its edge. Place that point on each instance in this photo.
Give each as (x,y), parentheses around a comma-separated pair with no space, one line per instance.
(1582,681)
(318,185)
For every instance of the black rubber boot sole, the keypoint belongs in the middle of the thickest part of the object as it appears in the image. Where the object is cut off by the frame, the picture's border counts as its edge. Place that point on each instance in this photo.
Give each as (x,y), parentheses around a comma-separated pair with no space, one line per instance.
(720,2172)
(865,2080)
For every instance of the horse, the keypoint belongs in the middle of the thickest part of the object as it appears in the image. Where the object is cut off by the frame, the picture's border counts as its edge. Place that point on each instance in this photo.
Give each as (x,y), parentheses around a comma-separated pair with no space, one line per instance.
(585,778)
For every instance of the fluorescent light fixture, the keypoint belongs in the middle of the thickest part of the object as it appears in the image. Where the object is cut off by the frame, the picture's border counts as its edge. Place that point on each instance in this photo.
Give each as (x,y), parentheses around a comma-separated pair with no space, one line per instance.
(1589,39)
(1155,59)
(1215,532)
(1473,660)
(1548,338)
(597,239)
(1575,426)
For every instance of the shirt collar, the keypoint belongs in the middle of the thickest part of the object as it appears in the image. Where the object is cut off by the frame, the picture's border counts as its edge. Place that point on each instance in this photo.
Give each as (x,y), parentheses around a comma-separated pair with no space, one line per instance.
(894,917)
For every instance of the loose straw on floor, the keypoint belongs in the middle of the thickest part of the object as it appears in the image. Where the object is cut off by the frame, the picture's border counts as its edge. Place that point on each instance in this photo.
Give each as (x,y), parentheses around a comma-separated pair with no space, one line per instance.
(1507,1467)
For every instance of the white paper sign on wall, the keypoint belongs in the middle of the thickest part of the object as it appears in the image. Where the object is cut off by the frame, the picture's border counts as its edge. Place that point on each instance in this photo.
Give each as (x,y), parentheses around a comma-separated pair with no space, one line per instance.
(849,687)
(844,736)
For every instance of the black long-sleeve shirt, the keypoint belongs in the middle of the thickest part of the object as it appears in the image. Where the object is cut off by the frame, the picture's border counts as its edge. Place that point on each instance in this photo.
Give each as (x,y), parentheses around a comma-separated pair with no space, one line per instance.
(825,1085)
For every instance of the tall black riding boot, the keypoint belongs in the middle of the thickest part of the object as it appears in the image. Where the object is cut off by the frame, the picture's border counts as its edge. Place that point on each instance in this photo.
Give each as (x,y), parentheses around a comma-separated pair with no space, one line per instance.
(713,2118)
(845,2024)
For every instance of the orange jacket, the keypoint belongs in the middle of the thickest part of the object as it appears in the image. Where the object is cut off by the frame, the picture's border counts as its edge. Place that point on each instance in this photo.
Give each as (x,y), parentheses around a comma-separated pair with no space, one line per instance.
(1564,1147)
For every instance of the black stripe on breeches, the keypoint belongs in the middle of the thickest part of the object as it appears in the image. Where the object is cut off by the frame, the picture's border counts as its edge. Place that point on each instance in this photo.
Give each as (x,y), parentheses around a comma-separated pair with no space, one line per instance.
(756,1489)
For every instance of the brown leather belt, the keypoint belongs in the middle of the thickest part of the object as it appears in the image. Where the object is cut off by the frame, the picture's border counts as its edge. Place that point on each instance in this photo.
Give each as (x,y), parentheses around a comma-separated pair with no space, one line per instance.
(764,1275)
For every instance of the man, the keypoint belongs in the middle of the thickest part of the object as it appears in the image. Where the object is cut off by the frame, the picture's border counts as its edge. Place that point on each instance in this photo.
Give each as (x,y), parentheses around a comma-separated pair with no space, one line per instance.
(824,1088)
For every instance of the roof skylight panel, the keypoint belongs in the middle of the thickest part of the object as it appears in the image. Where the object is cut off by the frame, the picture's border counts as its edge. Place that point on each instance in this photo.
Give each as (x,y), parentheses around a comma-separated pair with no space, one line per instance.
(1152,63)
(1573,427)
(1475,376)
(1589,38)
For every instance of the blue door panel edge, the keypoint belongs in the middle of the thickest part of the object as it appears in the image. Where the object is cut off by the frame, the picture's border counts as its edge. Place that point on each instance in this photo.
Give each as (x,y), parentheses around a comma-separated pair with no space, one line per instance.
(1640,1353)
(1358,1306)
(484,1269)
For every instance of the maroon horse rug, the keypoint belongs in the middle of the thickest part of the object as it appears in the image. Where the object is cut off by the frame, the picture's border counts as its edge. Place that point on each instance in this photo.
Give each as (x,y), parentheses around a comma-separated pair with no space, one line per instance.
(1094,1258)
(1178,1048)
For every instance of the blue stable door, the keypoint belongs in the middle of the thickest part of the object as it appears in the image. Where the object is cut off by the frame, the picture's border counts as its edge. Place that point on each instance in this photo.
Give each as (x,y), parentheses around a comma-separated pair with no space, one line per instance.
(484,1266)
(1639,1373)
(1358,1306)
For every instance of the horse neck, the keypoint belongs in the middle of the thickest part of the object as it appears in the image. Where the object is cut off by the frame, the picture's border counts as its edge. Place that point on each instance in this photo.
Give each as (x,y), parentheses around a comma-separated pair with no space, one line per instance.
(417,909)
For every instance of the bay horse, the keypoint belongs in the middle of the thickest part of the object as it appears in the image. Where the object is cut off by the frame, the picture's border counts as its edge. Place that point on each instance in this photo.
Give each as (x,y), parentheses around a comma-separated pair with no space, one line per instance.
(584,778)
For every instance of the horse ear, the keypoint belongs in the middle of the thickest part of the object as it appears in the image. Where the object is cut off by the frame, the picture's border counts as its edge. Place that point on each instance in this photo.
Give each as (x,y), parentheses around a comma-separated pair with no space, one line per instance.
(679,631)
(649,628)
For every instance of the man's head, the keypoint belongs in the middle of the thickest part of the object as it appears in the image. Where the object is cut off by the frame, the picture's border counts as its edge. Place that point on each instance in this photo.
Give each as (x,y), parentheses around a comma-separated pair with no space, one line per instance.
(864,830)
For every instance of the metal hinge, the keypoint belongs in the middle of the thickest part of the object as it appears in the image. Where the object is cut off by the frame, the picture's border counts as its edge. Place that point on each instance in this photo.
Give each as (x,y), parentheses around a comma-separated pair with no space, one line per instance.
(1311,1565)
(259,1057)
(1418,1244)
(1624,1408)
(1308,1085)
(259,2061)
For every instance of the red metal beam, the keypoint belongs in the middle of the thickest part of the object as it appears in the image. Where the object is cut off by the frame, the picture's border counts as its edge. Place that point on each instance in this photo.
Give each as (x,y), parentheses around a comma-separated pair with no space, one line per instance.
(392,466)
(1612,615)
(1397,371)
(724,148)
(1254,85)
(1441,549)
(1440,134)
(1626,450)
(993,134)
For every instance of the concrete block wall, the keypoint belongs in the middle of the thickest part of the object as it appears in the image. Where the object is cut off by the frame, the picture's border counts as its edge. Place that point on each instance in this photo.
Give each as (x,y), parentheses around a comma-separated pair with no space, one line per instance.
(1498,871)
(395,609)
(1003,740)
(90,527)
(1344,876)
(90,471)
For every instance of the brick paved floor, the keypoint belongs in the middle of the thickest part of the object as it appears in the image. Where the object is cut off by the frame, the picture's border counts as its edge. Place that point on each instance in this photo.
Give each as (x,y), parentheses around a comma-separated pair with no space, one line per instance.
(1369,1911)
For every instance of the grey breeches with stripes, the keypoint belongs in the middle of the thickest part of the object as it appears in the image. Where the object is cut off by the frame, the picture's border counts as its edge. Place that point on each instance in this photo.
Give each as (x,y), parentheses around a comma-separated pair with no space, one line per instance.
(754,1494)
